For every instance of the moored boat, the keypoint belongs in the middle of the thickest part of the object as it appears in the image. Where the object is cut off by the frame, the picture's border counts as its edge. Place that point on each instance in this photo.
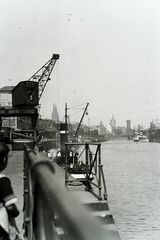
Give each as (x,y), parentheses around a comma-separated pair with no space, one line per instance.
(141,138)
(136,139)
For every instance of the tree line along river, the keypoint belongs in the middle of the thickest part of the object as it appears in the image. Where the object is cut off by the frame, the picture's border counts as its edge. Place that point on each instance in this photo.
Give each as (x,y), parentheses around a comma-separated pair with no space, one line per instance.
(132,173)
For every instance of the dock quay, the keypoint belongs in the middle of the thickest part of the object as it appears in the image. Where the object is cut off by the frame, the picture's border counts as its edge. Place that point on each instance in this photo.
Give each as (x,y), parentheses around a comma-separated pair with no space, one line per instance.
(70,207)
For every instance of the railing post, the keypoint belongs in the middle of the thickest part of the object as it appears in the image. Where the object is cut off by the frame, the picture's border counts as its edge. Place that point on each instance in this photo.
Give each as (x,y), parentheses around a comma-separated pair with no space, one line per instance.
(66,165)
(43,219)
(87,155)
(100,169)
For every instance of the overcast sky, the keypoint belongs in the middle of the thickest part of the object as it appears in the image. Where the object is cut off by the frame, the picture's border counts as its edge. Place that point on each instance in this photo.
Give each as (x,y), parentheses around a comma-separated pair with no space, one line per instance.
(109,55)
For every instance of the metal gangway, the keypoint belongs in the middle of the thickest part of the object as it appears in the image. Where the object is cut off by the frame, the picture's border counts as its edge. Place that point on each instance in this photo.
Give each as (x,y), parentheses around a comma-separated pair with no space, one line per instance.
(92,174)
(51,212)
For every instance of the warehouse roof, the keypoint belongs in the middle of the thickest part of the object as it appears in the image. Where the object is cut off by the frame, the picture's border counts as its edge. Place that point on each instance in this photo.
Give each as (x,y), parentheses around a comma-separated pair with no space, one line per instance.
(6,88)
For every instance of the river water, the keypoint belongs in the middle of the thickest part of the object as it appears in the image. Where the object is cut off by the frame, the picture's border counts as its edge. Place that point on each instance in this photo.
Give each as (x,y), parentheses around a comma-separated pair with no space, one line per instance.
(132,172)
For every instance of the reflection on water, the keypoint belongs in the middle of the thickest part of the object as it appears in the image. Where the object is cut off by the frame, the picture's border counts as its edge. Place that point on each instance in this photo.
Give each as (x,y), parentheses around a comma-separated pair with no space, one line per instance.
(132,172)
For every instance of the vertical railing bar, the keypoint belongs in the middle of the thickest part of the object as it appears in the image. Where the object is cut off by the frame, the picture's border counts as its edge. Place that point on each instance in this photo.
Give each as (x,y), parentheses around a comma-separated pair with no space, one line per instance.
(45,227)
(30,203)
(96,159)
(27,217)
(104,185)
(87,153)
(93,162)
(99,159)
(66,165)
(25,194)
(39,219)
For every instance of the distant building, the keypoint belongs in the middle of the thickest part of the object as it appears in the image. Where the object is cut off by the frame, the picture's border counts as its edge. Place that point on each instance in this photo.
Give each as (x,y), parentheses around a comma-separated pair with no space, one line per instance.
(128,124)
(112,123)
(119,131)
(129,131)
(6,96)
(55,116)
(6,102)
(22,122)
(101,129)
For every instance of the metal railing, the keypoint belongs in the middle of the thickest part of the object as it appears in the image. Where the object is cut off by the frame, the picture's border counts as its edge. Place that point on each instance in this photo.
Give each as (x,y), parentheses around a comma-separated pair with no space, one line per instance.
(47,202)
(92,168)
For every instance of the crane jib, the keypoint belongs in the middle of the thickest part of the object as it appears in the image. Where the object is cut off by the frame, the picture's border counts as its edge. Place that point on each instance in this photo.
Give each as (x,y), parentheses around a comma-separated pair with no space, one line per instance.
(28,93)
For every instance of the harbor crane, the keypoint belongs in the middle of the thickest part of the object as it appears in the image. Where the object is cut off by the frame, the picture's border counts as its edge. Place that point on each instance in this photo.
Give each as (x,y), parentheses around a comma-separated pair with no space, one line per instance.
(42,76)
(26,94)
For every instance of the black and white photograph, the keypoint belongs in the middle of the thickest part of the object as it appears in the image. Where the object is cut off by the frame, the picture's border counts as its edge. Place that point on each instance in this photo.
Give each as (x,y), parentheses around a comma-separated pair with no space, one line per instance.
(80,120)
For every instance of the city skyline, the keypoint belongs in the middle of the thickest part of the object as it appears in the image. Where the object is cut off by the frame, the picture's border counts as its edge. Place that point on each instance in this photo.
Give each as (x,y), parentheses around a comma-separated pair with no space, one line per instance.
(112,124)
(109,55)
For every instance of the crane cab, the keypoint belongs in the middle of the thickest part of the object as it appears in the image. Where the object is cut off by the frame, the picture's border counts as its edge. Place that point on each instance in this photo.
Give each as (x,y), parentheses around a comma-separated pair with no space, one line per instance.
(25,94)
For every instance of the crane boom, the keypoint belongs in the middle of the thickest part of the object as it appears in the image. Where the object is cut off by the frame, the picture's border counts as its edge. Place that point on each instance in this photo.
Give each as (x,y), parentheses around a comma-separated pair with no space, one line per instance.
(42,76)
(76,134)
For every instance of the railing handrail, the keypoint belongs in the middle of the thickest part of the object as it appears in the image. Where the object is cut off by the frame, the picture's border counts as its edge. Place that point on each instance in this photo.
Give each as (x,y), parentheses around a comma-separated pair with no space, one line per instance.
(53,197)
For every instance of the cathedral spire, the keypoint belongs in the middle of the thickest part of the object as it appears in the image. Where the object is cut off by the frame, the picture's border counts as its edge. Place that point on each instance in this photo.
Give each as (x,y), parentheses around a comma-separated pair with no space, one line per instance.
(55,116)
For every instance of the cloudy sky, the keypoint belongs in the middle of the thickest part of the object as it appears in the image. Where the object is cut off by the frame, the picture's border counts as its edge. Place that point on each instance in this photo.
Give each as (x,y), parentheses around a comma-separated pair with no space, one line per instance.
(109,55)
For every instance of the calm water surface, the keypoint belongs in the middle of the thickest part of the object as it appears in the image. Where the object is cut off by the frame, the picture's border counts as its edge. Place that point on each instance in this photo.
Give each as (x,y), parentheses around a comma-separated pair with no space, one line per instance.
(132,172)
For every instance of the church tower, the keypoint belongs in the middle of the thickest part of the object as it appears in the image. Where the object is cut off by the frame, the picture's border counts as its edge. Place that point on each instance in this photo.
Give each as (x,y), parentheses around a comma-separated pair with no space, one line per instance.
(55,116)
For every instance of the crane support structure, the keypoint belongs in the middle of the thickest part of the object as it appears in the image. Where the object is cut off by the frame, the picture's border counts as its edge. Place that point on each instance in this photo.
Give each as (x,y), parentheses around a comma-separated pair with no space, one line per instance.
(26,94)
(42,76)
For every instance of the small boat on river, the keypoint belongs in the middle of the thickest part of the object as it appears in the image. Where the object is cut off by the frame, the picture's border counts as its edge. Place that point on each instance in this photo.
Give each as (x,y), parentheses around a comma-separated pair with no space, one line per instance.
(141,138)
(136,139)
